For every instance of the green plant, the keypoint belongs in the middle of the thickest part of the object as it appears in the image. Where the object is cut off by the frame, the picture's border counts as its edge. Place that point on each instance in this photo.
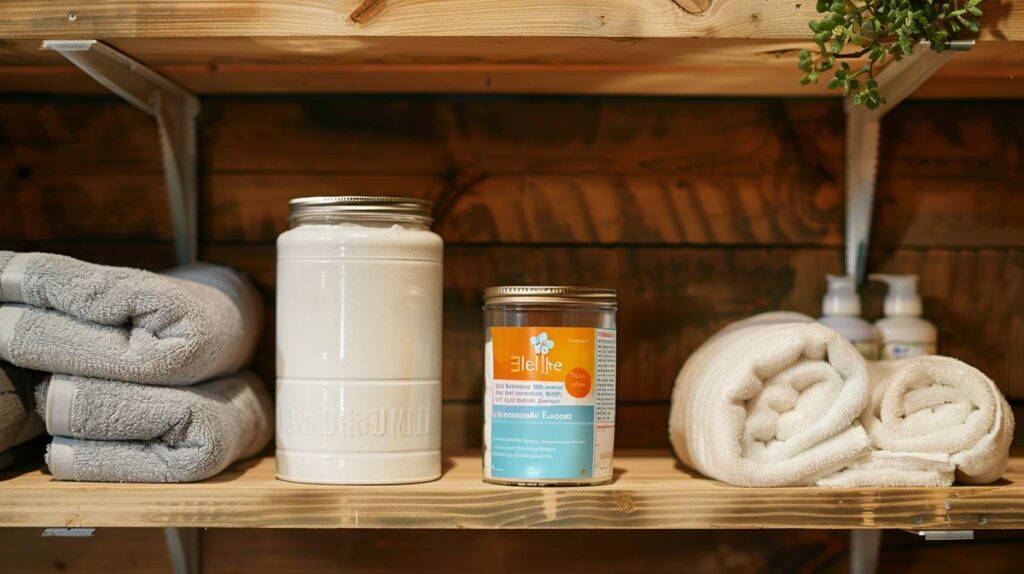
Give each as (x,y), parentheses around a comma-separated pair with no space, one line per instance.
(878,30)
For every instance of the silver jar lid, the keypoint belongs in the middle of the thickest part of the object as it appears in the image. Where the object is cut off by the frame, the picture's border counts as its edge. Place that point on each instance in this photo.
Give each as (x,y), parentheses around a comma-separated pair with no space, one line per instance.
(359,204)
(550,294)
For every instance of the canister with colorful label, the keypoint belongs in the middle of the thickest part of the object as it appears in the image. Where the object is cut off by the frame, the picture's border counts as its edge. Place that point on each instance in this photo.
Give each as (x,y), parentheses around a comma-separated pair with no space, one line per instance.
(549,371)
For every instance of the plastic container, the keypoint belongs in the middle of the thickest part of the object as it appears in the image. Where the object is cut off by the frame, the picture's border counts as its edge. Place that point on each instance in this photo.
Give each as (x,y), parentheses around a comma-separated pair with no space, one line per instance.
(549,371)
(359,294)
(903,332)
(840,308)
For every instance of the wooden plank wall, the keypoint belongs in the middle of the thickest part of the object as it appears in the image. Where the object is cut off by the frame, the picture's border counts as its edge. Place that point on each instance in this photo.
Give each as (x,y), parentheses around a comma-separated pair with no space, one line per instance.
(698,211)
(142,551)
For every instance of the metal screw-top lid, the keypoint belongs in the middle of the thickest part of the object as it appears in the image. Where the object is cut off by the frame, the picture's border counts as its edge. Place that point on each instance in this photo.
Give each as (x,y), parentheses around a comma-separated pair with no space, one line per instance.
(360,205)
(550,294)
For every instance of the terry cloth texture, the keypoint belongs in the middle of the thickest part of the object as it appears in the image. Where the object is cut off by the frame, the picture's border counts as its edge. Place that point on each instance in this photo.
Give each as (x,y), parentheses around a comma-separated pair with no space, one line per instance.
(109,431)
(61,315)
(771,401)
(18,420)
(777,400)
(932,419)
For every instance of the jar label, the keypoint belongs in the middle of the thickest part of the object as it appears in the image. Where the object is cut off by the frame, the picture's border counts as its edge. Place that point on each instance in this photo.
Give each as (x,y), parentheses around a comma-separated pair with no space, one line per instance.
(550,403)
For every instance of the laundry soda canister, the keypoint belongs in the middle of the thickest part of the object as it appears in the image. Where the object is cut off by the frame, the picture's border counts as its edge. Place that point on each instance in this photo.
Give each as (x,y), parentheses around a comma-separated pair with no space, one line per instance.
(359,289)
(549,397)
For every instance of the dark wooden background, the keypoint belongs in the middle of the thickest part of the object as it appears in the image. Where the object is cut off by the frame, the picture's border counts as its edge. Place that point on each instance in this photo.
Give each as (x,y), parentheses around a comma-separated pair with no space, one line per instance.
(698,211)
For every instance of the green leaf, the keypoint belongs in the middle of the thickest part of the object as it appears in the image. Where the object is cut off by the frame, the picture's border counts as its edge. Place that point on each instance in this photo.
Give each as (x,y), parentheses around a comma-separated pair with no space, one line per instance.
(882,30)
(906,46)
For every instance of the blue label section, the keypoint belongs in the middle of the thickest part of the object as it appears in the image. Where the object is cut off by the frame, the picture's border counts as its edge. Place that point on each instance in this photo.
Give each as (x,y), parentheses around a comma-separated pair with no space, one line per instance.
(551,442)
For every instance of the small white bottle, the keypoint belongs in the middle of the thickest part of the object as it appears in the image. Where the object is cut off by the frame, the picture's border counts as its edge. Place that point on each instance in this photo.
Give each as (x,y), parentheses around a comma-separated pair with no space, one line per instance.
(840,309)
(904,333)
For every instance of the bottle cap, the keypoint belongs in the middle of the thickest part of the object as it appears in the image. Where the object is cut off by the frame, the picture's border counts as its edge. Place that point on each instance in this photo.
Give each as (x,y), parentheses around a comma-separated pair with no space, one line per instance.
(841,297)
(902,299)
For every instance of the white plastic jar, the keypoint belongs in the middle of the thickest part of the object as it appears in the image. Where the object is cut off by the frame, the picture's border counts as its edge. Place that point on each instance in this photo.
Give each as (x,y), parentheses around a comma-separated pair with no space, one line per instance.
(359,296)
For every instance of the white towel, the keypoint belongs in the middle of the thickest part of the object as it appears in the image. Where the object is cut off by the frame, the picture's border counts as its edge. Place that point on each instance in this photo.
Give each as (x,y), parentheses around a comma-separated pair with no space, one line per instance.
(930,418)
(771,401)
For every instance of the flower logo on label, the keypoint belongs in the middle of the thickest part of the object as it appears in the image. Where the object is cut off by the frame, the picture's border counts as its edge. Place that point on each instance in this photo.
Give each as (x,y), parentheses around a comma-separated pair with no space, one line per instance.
(541,344)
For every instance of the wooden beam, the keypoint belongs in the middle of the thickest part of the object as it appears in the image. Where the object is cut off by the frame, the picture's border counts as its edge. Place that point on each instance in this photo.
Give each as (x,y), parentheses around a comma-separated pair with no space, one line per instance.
(108,19)
(651,491)
(649,66)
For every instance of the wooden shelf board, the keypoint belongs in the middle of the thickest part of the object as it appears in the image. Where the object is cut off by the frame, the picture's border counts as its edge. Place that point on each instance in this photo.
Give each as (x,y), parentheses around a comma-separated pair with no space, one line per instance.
(605,66)
(437,18)
(650,492)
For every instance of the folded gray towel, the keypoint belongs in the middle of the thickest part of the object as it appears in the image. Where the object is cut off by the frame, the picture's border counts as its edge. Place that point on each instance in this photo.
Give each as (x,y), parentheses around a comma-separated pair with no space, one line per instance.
(109,431)
(192,324)
(18,420)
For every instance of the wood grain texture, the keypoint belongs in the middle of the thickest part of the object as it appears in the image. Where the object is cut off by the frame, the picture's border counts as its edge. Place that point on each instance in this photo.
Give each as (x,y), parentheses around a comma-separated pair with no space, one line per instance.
(484,65)
(651,491)
(231,551)
(524,209)
(524,171)
(440,18)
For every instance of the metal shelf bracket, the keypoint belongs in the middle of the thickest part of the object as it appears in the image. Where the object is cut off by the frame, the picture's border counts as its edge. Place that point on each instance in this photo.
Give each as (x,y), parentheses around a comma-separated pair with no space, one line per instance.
(175,111)
(68,532)
(945,534)
(185,546)
(864,548)
(896,81)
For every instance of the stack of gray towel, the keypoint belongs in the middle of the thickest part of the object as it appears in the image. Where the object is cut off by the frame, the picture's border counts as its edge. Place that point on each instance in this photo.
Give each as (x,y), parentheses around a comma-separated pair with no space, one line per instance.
(20,428)
(137,376)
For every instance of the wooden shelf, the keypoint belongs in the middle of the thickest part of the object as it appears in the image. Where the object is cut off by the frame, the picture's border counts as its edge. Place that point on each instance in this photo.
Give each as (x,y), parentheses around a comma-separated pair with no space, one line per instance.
(608,47)
(650,492)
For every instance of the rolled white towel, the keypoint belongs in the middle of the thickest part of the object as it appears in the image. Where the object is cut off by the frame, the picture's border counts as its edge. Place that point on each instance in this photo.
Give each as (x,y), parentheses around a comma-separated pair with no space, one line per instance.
(771,401)
(931,418)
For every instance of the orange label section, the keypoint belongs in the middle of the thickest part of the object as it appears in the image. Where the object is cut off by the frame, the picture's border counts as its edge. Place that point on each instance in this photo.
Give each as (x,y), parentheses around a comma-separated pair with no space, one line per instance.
(551,354)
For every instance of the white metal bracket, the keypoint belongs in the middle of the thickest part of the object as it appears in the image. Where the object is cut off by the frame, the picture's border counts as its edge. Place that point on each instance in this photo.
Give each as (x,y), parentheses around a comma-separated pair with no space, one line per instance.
(185,546)
(863,126)
(68,532)
(864,549)
(175,111)
(945,534)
